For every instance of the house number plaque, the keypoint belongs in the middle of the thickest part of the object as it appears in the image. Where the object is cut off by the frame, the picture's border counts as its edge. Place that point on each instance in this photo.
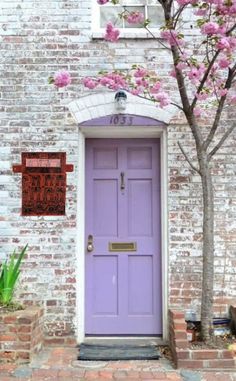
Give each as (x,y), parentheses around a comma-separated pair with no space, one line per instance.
(43,183)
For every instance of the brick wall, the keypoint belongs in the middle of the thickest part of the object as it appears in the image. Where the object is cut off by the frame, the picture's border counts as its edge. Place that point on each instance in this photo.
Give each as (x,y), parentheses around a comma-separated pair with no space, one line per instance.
(21,335)
(186,356)
(38,38)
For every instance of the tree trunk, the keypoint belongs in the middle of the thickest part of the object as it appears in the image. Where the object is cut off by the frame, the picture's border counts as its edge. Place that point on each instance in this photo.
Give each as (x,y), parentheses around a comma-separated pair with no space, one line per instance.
(208,247)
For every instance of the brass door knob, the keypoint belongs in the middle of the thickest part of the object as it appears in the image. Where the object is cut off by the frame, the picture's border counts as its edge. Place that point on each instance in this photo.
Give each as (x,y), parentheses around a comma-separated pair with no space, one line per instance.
(90,243)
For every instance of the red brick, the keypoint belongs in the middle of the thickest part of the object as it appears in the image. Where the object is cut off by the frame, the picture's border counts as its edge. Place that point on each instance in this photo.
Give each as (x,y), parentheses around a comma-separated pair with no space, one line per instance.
(24,329)
(146,375)
(54,340)
(24,337)
(120,375)
(225,354)
(183,344)
(23,355)
(176,314)
(7,337)
(9,319)
(91,375)
(23,320)
(179,325)
(196,364)
(8,355)
(180,335)
(106,375)
(203,354)
(70,341)
(182,354)
(218,364)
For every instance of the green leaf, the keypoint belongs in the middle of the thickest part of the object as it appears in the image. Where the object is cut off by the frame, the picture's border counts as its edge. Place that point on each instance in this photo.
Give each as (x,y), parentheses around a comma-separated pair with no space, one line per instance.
(146,22)
(8,276)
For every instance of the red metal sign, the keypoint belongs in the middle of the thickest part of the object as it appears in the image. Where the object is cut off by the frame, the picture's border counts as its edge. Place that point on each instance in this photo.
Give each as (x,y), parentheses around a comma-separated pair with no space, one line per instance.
(43,183)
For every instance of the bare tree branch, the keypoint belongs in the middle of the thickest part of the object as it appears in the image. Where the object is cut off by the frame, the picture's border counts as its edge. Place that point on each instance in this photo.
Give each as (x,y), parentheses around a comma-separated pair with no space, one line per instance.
(188,159)
(177,15)
(185,100)
(222,140)
(228,83)
(231,30)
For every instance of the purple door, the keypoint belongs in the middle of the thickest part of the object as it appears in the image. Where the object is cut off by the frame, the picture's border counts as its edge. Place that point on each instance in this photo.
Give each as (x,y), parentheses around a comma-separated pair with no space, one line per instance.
(123,288)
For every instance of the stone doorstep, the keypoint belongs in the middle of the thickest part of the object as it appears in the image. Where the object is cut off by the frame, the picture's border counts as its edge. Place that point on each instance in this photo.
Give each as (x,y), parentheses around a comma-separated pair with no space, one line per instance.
(184,357)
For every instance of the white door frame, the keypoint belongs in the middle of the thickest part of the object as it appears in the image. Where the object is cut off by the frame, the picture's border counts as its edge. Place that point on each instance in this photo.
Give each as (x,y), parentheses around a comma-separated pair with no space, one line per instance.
(95,106)
(116,132)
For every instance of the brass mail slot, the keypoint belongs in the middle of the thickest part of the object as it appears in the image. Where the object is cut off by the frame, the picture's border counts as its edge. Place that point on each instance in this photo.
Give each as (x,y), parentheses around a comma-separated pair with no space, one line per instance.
(122,246)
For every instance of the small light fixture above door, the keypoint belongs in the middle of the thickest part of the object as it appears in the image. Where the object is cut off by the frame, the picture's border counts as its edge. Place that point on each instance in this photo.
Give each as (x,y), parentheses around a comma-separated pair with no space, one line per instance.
(120,100)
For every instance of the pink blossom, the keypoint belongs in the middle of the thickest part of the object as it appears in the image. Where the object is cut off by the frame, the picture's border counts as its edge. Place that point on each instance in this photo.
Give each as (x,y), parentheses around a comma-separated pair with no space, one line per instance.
(181,65)
(223,43)
(136,91)
(210,28)
(171,36)
(197,111)
(135,18)
(224,62)
(112,80)
(227,8)
(232,99)
(141,82)
(89,83)
(222,92)
(112,34)
(155,88)
(196,73)
(186,2)
(202,96)
(162,98)
(173,73)
(232,41)
(102,2)
(62,78)
(201,12)
(140,72)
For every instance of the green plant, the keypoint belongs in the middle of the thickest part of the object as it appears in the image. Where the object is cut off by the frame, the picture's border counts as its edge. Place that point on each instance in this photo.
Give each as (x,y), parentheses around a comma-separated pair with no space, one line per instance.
(9,274)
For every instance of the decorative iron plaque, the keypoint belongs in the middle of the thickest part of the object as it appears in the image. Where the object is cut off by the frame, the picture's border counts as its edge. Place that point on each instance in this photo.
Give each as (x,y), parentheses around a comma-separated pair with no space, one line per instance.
(43,183)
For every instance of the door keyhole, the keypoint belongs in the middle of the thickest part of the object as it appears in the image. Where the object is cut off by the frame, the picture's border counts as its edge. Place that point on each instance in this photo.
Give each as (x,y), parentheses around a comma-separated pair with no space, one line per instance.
(122,180)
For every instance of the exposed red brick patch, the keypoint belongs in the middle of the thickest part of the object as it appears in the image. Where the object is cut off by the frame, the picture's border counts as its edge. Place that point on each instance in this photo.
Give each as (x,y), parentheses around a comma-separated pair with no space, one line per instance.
(185,357)
(22,335)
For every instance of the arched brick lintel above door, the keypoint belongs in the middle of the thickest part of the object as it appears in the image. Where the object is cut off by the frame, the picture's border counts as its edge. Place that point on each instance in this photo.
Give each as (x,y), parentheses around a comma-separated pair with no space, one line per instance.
(89,108)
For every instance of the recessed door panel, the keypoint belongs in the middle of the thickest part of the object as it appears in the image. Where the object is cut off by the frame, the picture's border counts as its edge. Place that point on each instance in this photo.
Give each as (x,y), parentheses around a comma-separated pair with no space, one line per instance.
(140,285)
(105,198)
(105,286)
(140,207)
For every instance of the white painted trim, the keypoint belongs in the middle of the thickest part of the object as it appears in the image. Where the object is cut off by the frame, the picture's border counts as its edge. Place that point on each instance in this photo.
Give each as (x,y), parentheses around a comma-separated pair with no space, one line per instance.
(101,104)
(118,132)
(98,32)
(80,284)
(164,233)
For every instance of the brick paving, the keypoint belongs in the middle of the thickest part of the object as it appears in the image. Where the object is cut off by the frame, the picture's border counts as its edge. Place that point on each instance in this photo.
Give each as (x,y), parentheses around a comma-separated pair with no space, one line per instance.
(60,364)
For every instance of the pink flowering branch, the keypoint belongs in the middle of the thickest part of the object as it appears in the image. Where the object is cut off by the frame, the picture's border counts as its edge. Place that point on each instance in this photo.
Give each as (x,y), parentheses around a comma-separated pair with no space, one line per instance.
(60,79)
(228,83)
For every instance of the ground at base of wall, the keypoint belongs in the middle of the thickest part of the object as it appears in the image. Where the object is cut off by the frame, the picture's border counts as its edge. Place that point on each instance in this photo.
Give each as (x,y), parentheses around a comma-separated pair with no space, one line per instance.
(186,355)
(60,364)
(218,342)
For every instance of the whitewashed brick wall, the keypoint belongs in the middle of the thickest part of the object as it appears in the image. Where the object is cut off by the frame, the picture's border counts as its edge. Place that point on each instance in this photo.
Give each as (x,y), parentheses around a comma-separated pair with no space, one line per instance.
(38,38)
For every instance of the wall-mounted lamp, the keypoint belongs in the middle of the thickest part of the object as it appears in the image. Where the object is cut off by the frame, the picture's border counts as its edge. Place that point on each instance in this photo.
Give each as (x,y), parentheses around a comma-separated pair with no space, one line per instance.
(120,100)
